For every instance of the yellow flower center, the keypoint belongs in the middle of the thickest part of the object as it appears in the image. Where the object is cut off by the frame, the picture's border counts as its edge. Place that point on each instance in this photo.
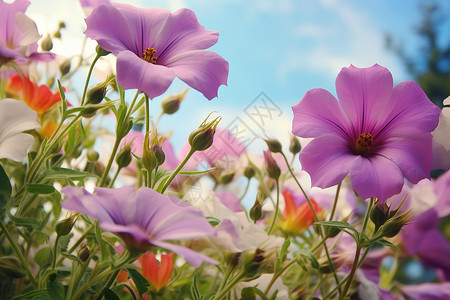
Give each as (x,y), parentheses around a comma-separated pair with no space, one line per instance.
(149,55)
(363,144)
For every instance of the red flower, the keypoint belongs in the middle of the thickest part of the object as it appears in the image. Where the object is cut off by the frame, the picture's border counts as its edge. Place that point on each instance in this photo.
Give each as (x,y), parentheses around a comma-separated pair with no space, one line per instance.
(157,273)
(297,217)
(38,98)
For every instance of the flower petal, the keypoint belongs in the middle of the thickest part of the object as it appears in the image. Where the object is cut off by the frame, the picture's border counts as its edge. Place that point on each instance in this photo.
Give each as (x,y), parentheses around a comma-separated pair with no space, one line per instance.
(318,113)
(412,155)
(192,257)
(364,93)
(112,30)
(411,112)
(135,73)
(376,177)
(203,70)
(10,33)
(327,160)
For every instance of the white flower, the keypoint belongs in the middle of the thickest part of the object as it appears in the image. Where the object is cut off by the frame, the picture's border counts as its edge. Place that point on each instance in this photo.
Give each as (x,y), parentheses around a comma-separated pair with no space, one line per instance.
(15,118)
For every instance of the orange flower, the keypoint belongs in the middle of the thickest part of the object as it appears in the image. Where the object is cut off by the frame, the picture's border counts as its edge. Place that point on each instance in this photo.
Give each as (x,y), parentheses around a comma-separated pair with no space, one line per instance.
(157,274)
(297,218)
(38,98)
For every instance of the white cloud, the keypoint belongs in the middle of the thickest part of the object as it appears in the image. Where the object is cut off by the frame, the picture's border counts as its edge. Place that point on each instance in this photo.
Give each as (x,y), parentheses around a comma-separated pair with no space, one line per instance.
(350,39)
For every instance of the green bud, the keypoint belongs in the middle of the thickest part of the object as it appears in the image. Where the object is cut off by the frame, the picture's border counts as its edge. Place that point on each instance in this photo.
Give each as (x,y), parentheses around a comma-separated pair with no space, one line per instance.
(226,178)
(153,156)
(271,166)
(57,34)
(89,111)
(84,253)
(92,155)
(64,227)
(202,137)
(256,210)
(249,172)
(379,214)
(248,293)
(252,263)
(61,25)
(393,226)
(100,51)
(47,43)
(171,104)
(123,158)
(96,93)
(294,146)
(64,68)
(274,145)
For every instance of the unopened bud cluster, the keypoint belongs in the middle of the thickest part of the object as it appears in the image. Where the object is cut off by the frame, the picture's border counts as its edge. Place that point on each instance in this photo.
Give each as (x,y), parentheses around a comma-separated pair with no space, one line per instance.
(202,137)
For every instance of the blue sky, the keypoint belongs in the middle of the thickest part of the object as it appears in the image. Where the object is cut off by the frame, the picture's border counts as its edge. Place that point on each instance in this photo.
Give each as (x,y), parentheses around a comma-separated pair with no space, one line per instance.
(279,48)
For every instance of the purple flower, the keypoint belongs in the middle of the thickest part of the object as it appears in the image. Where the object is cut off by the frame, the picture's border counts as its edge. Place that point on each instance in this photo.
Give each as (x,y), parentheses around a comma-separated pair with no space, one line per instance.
(423,239)
(18,34)
(153,46)
(377,133)
(143,218)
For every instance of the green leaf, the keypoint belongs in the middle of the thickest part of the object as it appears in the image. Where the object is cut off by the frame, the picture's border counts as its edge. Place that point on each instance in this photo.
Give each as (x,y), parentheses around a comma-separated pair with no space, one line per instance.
(337,224)
(385,243)
(26,222)
(195,294)
(56,290)
(5,184)
(31,294)
(308,255)
(43,257)
(64,173)
(283,253)
(141,282)
(110,295)
(213,221)
(36,188)
(72,257)
(71,140)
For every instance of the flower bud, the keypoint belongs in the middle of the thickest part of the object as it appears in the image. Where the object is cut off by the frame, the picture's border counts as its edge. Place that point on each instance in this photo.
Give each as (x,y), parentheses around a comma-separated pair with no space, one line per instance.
(96,93)
(256,210)
(100,51)
(171,104)
(123,158)
(92,155)
(47,43)
(91,109)
(271,165)
(294,146)
(226,178)
(153,156)
(64,227)
(393,226)
(253,263)
(61,25)
(202,137)
(249,172)
(379,214)
(274,145)
(84,253)
(64,68)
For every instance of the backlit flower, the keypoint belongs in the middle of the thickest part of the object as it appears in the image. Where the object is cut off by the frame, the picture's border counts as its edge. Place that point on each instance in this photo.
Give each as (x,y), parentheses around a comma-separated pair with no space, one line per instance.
(158,273)
(38,97)
(153,46)
(377,133)
(143,218)
(15,118)
(297,216)
(18,34)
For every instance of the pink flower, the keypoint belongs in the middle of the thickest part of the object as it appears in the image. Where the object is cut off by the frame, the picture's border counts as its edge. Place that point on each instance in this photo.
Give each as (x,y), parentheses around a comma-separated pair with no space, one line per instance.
(376,133)
(18,34)
(153,46)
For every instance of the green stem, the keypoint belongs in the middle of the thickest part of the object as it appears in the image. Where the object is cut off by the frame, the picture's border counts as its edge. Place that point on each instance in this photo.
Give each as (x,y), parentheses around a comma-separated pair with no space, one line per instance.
(228,287)
(178,169)
(114,178)
(110,161)
(278,274)
(316,219)
(276,208)
(91,68)
(333,210)
(356,261)
(19,254)
(55,252)
(147,115)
